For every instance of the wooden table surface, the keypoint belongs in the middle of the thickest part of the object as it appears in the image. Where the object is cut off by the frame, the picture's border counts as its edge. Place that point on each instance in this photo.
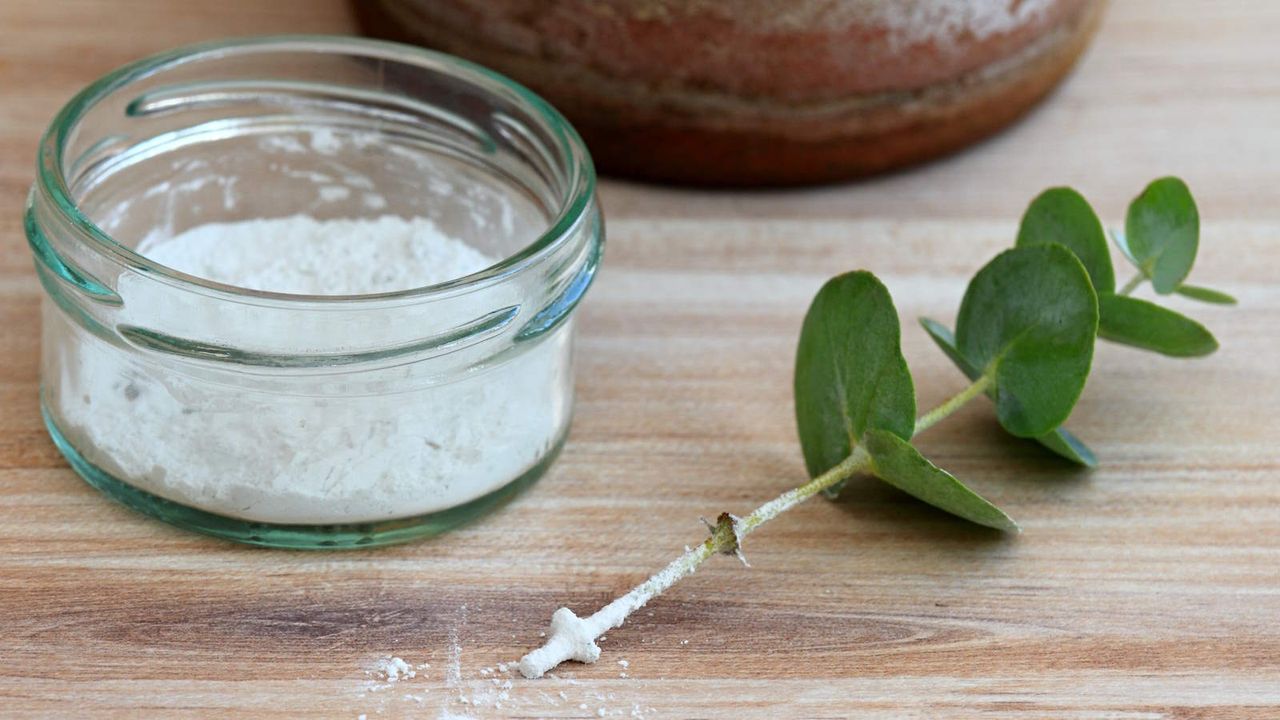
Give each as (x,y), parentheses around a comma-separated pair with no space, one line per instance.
(1147,588)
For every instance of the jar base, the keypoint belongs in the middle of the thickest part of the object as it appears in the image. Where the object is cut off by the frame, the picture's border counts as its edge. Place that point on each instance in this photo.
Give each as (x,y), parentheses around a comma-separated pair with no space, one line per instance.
(299,537)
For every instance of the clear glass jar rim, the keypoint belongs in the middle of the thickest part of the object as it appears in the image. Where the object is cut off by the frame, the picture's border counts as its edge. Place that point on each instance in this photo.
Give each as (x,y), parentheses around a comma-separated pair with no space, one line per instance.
(575,206)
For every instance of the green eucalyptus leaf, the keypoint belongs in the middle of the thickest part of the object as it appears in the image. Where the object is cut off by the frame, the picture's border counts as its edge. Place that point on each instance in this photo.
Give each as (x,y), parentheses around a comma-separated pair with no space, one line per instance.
(898,463)
(1029,319)
(1204,294)
(1149,326)
(1059,440)
(1162,233)
(850,375)
(1062,215)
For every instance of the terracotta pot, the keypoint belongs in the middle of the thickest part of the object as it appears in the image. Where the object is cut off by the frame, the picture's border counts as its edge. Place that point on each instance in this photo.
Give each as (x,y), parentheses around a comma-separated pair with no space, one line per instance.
(764,92)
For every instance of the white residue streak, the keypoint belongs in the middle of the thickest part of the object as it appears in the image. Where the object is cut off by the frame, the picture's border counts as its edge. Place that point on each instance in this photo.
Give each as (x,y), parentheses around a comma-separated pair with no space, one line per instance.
(453,671)
(942,23)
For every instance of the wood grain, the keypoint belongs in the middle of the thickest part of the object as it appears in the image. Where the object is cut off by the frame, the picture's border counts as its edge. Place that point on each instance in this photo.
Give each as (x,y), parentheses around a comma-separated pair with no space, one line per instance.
(1148,588)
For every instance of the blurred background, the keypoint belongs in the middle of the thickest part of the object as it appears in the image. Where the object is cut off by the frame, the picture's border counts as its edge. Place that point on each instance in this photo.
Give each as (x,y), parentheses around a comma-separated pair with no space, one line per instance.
(1167,87)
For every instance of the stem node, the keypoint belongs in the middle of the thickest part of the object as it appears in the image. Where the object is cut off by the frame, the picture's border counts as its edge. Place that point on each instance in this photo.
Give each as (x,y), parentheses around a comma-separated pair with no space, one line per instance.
(726,534)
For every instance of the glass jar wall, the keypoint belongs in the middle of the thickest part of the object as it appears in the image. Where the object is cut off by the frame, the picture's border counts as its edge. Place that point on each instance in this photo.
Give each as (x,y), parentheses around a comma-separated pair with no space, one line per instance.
(310,420)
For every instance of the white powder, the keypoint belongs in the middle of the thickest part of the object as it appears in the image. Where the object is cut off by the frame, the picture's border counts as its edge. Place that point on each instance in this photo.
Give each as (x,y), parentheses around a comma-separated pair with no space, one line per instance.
(310,257)
(904,22)
(393,669)
(190,434)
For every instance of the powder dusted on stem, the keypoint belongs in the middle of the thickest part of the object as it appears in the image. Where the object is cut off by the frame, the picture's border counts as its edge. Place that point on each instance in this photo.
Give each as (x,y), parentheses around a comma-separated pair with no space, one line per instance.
(573,638)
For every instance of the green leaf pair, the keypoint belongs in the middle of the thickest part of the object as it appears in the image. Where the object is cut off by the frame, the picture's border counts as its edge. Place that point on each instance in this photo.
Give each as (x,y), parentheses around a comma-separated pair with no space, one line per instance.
(853,390)
(1027,327)
(1162,235)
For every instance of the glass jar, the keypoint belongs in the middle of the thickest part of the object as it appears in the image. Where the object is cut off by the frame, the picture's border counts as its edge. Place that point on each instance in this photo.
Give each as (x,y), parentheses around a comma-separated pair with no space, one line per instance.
(309,420)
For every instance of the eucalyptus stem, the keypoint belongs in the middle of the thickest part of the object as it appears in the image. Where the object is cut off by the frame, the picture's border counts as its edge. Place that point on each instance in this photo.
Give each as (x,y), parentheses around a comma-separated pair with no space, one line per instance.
(573,638)
(958,401)
(857,461)
(1132,285)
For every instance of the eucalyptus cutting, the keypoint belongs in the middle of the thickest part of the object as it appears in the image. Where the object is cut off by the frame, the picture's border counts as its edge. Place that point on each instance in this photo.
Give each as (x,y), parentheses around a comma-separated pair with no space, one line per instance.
(1024,337)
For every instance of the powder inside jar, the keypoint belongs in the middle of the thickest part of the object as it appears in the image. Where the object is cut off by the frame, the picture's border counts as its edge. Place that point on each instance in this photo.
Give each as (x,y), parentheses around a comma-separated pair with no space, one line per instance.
(295,458)
(305,256)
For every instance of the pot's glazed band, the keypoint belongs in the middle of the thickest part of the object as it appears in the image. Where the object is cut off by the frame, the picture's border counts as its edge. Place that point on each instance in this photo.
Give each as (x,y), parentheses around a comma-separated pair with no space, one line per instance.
(762,92)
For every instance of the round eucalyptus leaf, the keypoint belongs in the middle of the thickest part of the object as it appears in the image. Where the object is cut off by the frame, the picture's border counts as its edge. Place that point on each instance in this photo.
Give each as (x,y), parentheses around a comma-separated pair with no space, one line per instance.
(898,463)
(1062,215)
(1058,440)
(850,374)
(1029,319)
(1143,324)
(1162,233)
